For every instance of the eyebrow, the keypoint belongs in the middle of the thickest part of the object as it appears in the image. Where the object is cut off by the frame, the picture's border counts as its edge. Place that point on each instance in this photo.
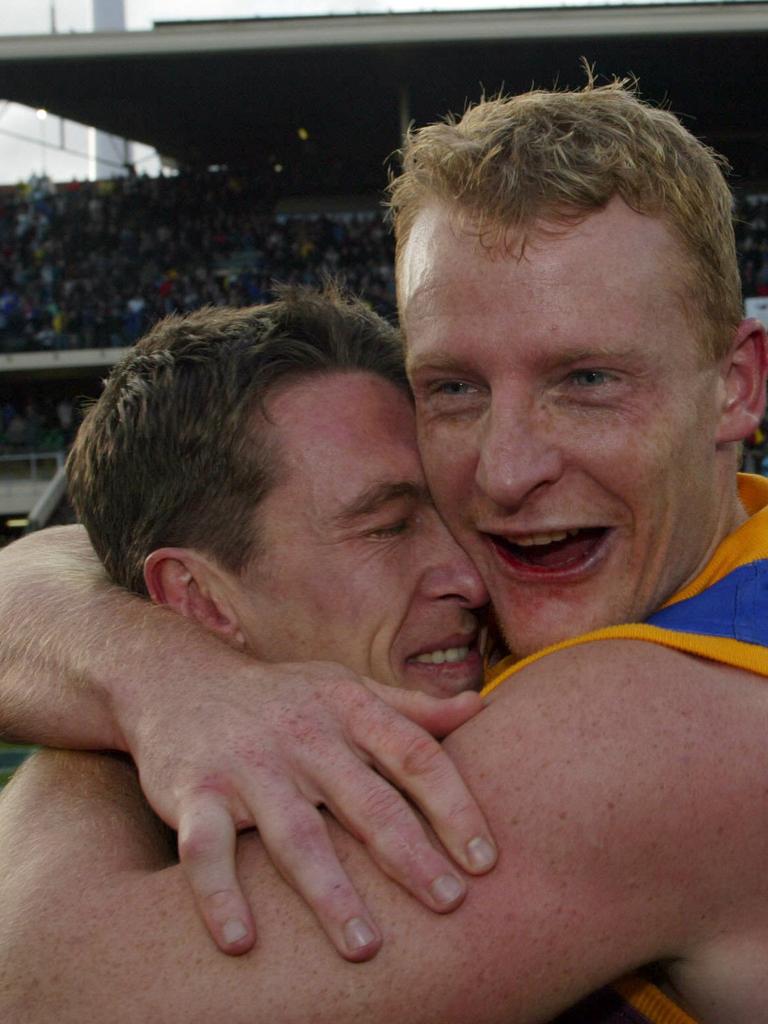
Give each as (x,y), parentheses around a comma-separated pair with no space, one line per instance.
(436,361)
(563,357)
(378,495)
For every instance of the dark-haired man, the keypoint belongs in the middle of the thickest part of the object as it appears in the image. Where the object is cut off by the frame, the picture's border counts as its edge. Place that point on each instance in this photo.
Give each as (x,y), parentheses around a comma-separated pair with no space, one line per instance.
(583,381)
(293,521)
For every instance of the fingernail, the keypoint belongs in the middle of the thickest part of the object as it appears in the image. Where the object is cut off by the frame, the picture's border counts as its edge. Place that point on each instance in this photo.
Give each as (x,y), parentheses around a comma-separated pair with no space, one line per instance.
(357,934)
(233,931)
(446,889)
(480,853)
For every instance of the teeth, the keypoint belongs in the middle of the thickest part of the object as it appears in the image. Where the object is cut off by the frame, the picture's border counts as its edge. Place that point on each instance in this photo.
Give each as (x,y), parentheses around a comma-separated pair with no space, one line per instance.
(450,654)
(543,538)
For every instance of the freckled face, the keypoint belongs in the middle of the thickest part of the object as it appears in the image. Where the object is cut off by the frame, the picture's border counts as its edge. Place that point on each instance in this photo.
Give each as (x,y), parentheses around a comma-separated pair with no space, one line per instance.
(568,428)
(357,566)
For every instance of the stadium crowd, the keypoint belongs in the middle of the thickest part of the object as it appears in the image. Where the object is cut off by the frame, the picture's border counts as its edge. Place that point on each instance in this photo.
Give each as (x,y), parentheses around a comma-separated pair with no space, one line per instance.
(752,241)
(35,423)
(94,264)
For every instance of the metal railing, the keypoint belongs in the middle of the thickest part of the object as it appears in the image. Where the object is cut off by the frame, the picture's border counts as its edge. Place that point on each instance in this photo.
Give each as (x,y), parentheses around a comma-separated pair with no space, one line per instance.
(26,477)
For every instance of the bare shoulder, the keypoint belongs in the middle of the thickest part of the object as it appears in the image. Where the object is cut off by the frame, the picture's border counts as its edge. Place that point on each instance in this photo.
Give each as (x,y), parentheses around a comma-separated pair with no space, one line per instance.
(69,822)
(71,539)
(60,800)
(635,769)
(630,714)
(662,688)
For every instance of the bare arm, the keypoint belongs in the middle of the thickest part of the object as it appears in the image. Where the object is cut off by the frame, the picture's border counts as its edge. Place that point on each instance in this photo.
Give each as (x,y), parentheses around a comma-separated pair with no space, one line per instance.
(223,742)
(57,610)
(631,808)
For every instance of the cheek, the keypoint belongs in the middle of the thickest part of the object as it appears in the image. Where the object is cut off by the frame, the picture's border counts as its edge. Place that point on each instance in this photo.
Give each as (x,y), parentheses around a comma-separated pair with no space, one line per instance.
(449,458)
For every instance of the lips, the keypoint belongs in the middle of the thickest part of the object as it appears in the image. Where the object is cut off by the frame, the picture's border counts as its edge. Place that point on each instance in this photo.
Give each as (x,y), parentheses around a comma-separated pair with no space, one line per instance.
(453,650)
(552,552)
(445,670)
(440,656)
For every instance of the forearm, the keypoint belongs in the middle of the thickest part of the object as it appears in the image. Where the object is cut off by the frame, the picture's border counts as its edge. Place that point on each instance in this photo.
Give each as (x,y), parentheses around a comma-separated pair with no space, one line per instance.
(94,922)
(79,655)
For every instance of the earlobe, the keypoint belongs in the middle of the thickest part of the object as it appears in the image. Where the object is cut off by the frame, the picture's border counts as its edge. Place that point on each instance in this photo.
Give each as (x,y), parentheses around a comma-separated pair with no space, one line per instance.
(743,376)
(184,581)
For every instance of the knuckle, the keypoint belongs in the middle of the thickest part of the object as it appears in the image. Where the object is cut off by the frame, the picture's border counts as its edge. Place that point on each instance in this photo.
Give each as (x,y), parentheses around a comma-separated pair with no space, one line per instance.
(423,755)
(465,810)
(215,902)
(299,837)
(198,845)
(383,807)
(302,728)
(200,794)
(336,901)
(364,710)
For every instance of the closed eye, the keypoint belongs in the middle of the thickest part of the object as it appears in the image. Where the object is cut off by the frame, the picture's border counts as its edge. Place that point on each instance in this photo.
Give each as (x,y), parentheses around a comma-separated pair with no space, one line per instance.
(392,530)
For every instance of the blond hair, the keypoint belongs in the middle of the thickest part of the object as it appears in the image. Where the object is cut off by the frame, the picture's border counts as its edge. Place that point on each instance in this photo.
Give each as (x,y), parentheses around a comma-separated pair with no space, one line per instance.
(511,164)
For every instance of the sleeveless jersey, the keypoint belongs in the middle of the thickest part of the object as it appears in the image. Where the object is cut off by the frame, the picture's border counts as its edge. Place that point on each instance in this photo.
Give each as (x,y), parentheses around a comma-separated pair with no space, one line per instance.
(721,615)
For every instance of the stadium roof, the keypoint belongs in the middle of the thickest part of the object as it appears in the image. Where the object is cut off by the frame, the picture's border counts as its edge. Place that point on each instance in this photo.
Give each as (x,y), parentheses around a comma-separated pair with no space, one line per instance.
(239,91)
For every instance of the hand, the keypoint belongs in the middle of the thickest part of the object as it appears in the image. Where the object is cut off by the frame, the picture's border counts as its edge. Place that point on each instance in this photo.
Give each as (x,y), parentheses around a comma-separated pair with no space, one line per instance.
(271,745)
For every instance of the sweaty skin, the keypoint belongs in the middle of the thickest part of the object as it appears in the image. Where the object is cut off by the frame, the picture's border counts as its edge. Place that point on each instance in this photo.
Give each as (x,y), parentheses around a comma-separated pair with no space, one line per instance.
(555,393)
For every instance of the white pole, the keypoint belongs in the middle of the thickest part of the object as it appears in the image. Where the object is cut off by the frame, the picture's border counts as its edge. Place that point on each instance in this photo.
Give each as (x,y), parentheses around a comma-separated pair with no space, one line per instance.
(108,16)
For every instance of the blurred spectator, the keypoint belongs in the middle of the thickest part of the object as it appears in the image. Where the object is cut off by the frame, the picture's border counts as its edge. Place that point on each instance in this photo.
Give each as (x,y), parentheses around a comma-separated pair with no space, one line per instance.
(65,414)
(752,243)
(96,263)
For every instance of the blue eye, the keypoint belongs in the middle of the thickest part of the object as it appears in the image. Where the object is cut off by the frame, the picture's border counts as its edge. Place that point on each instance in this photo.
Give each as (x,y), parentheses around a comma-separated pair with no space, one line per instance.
(453,387)
(589,378)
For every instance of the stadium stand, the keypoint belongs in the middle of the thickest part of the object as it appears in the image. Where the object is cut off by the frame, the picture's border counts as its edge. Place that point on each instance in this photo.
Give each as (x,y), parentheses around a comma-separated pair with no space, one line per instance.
(94,264)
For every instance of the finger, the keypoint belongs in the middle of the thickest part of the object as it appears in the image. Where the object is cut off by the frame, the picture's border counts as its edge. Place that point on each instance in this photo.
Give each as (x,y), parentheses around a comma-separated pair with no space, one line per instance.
(297,840)
(207,840)
(438,715)
(383,819)
(422,768)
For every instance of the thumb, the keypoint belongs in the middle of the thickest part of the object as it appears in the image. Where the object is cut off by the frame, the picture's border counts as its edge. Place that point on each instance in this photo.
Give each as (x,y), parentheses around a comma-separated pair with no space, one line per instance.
(438,715)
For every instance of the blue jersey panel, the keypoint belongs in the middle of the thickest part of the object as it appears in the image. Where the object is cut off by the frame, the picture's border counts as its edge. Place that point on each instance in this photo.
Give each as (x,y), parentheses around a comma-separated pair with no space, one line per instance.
(736,607)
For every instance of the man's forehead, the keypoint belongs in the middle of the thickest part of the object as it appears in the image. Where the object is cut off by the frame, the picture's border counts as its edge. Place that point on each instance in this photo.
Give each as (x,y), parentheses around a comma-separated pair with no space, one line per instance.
(444,241)
(620,262)
(323,407)
(347,440)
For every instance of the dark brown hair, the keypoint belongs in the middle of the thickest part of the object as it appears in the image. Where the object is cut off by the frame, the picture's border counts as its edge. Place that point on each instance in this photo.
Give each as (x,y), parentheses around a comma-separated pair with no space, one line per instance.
(177,451)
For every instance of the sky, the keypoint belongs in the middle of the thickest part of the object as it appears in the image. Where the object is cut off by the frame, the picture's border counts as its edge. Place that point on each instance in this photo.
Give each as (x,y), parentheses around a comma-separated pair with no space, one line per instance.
(31,143)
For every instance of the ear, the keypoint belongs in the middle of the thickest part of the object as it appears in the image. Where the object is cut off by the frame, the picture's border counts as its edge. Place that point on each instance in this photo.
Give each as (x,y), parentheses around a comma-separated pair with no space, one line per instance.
(187,582)
(743,374)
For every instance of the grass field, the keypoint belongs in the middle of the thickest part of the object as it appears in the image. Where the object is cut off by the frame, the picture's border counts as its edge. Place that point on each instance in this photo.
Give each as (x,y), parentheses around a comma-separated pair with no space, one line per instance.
(10,758)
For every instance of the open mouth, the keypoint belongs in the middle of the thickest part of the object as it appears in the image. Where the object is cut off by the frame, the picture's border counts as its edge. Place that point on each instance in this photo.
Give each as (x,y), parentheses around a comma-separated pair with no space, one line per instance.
(555,551)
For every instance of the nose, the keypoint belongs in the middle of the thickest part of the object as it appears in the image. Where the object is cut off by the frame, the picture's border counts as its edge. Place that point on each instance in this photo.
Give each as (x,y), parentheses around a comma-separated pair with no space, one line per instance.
(519,450)
(450,573)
